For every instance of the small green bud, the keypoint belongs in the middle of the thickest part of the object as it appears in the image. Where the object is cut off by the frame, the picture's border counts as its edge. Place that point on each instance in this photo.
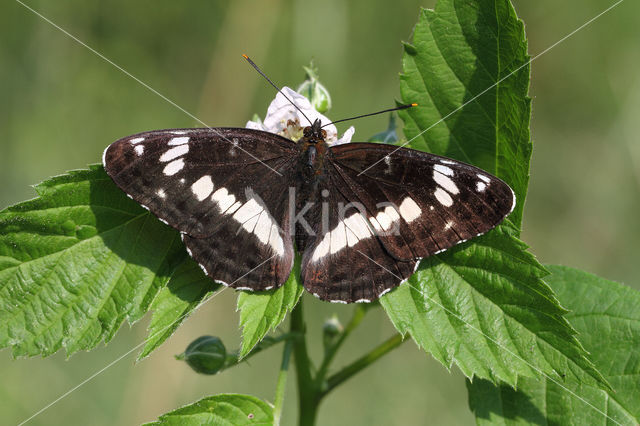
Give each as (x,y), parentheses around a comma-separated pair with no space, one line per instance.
(330,330)
(313,90)
(205,355)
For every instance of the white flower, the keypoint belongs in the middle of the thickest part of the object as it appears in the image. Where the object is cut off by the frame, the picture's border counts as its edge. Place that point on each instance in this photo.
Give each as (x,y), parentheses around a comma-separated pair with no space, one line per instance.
(285,120)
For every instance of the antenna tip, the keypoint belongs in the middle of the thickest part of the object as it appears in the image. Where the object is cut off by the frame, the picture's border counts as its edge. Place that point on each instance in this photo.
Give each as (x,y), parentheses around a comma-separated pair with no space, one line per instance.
(245,56)
(414,104)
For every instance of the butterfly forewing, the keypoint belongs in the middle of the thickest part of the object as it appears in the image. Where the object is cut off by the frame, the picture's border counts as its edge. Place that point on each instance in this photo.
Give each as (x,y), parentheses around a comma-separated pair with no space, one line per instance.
(433,202)
(210,185)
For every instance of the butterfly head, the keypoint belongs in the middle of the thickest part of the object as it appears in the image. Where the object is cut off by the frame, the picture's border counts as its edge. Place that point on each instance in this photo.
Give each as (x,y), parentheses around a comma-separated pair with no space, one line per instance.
(314,133)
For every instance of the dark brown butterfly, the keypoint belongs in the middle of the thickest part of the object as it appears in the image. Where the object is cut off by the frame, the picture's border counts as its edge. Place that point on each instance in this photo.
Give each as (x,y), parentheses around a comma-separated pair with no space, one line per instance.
(361,214)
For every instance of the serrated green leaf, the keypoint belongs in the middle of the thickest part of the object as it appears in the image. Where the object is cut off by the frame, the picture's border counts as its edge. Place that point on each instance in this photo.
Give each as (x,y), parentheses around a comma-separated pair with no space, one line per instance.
(185,291)
(485,307)
(264,311)
(483,304)
(607,317)
(460,51)
(76,262)
(224,409)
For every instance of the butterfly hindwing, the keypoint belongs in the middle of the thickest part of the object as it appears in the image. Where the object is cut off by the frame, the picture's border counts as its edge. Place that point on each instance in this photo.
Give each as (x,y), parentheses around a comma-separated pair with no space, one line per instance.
(210,185)
(345,261)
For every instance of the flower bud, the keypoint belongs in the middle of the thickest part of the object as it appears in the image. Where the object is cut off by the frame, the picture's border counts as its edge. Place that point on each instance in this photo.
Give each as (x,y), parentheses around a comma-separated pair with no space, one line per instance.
(313,90)
(205,355)
(330,330)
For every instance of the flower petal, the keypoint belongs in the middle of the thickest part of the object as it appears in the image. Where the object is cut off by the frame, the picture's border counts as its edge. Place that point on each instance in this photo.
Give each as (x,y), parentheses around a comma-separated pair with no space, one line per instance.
(346,136)
(281,113)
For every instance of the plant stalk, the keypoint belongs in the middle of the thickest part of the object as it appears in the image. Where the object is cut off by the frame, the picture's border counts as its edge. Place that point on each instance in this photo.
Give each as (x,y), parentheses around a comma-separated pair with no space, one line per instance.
(282,382)
(358,315)
(307,392)
(361,363)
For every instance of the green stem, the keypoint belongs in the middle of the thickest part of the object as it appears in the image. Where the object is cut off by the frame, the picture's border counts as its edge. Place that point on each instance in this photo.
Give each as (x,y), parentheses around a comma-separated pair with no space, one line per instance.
(282,382)
(307,392)
(358,315)
(361,363)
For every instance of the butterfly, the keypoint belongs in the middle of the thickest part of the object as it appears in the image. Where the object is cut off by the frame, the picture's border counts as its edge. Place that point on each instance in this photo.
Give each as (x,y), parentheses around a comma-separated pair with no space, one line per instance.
(362,215)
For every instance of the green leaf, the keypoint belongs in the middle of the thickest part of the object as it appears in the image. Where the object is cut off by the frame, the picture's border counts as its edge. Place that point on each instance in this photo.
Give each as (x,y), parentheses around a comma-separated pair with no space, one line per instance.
(607,317)
(76,262)
(224,409)
(264,311)
(483,304)
(464,53)
(187,289)
(485,307)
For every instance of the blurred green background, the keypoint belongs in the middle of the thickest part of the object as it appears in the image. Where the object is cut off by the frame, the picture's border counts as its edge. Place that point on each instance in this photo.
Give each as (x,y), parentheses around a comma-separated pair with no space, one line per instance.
(61,105)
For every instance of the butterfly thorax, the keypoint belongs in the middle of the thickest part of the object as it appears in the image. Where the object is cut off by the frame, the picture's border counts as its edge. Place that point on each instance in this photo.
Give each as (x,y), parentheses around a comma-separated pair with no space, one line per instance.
(313,148)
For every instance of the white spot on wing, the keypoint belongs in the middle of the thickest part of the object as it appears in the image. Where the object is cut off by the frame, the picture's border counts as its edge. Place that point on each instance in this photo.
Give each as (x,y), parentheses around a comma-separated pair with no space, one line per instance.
(443,197)
(483,178)
(234,207)
(248,210)
(250,224)
(352,240)
(447,162)
(384,220)
(443,169)
(202,188)
(347,233)
(275,240)
(224,200)
(139,149)
(392,213)
(445,182)
(173,167)
(257,220)
(448,225)
(387,161)
(203,268)
(224,283)
(174,153)
(338,238)
(104,157)
(385,291)
(481,186)
(263,227)
(178,141)
(135,140)
(321,249)
(161,193)
(513,206)
(358,225)
(409,210)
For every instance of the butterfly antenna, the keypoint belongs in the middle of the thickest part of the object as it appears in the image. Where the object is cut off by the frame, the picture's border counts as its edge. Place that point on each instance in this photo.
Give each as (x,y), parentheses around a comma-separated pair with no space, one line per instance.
(253,64)
(374,113)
